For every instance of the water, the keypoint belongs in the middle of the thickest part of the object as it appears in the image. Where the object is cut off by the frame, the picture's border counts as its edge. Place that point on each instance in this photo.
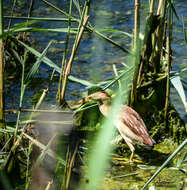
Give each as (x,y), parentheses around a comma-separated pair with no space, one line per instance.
(115,15)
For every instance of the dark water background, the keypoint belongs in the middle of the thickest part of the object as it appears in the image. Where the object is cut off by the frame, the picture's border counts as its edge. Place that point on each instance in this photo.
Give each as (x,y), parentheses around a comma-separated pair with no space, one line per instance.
(95,57)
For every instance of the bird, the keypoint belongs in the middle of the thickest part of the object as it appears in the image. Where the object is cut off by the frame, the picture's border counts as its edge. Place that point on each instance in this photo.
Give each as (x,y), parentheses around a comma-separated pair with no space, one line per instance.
(128,122)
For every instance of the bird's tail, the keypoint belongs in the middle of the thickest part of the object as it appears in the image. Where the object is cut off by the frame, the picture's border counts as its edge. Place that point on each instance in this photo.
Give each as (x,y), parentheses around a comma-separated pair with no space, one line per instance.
(149,143)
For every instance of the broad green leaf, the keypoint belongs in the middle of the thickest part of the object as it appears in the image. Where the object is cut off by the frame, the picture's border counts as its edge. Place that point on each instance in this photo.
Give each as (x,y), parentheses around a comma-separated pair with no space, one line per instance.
(176,81)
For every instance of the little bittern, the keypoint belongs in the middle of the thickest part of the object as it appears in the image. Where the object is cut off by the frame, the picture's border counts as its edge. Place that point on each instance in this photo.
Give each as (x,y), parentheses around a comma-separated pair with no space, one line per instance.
(128,122)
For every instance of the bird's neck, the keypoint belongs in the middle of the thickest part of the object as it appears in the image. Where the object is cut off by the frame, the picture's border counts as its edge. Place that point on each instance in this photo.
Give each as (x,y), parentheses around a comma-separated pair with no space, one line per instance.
(105,107)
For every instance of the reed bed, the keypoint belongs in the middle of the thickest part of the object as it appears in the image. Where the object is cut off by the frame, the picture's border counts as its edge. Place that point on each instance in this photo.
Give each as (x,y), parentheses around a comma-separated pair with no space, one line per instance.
(139,77)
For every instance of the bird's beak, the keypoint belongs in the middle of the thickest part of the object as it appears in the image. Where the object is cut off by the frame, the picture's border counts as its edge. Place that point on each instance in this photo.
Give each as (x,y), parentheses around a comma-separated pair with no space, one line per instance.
(87,99)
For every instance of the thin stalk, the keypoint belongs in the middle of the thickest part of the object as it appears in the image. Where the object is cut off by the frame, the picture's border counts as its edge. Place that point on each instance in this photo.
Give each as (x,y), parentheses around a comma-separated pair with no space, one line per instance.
(48,187)
(39,102)
(54,7)
(168,77)
(65,169)
(160,33)
(27,176)
(160,5)
(59,99)
(12,11)
(136,22)
(136,49)
(30,8)
(29,14)
(76,43)
(1,70)
(109,40)
(40,18)
(151,9)
(21,94)
(168,58)
(46,122)
(126,72)
(68,69)
(71,164)
(116,74)
(166,163)
(10,111)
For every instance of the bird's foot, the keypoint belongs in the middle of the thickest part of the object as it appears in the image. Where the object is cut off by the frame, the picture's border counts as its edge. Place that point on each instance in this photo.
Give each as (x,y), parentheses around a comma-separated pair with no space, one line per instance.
(121,161)
(136,161)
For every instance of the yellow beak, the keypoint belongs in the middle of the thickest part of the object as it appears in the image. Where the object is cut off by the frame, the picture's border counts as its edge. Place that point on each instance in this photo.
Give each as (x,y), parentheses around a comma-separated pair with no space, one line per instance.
(83,100)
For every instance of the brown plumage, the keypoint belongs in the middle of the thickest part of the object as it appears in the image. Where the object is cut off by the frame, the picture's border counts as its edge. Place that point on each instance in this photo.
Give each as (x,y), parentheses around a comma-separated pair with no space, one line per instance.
(128,122)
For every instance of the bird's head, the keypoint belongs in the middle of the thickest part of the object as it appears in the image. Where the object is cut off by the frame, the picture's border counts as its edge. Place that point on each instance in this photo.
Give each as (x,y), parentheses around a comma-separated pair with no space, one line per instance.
(100,96)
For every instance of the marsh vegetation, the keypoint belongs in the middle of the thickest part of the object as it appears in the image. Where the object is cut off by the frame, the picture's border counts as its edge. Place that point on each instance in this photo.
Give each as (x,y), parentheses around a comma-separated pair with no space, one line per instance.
(54,53)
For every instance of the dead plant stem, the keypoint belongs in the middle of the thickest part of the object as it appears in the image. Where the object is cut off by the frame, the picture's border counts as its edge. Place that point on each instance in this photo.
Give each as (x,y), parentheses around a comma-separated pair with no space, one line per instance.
(74,50)
(71,164)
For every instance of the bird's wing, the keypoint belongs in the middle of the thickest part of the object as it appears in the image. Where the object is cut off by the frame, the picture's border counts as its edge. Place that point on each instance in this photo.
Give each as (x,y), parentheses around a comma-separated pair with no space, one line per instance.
(134,123)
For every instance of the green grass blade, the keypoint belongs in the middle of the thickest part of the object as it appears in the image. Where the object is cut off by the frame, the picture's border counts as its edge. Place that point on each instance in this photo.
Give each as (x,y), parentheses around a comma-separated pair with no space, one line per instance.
(110,41)
(54,7)
(38,54)
(32,29)
(56,19)
(27,175)
(173,9)
(76,3)
(36,65)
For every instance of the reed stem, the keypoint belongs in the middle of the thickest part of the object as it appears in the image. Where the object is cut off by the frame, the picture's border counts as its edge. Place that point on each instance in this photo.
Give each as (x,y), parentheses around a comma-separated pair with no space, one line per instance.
(151,9)
(29,14)
(136,50)
(59,98)
(168,58)
(136,23)
(74,50)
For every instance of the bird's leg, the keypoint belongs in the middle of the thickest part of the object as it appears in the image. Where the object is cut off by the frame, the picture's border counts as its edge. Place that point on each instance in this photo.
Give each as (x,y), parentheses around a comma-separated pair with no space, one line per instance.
(132,150)
(131,160)
(131,157)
